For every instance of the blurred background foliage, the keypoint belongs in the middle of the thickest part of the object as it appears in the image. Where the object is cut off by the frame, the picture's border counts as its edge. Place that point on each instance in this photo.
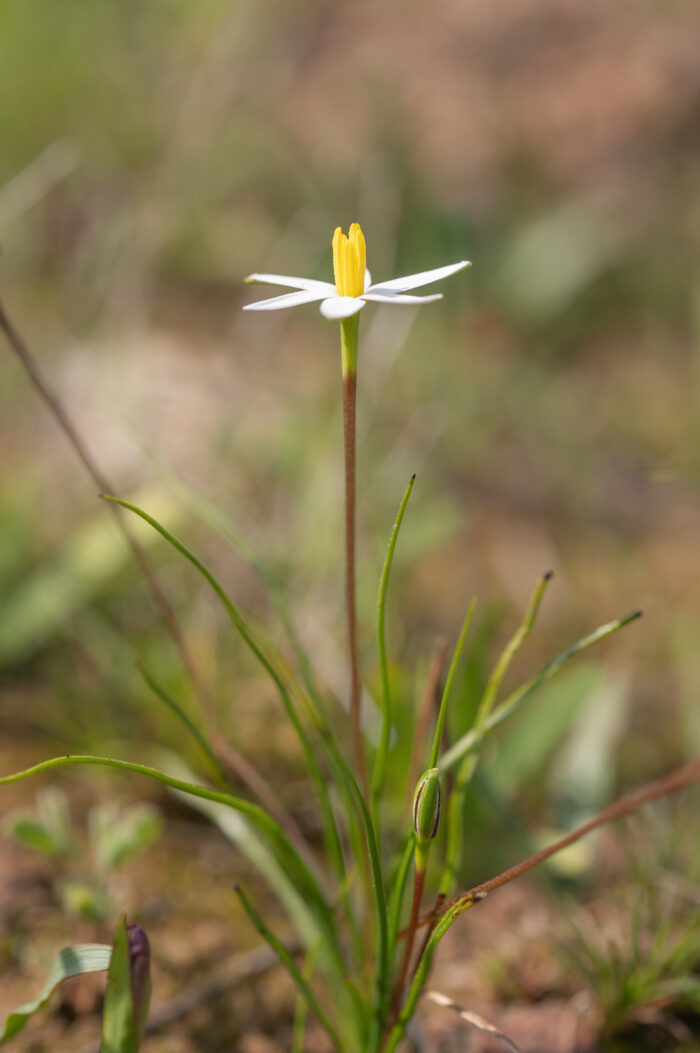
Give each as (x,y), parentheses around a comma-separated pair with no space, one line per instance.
(153,155)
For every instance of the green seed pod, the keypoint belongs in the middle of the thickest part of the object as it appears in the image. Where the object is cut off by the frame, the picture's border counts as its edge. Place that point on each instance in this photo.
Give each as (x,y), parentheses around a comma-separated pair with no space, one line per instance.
(426,805)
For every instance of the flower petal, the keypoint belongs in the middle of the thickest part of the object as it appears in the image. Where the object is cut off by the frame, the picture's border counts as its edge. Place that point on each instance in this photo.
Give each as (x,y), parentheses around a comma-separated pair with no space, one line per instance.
(294,299)
(336,308)
(414,281)
(293,283)
(377,296)
(368,279)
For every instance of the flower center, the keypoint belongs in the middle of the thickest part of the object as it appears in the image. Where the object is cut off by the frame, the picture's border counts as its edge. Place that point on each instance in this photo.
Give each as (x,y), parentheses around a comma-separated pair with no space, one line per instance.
(349,261)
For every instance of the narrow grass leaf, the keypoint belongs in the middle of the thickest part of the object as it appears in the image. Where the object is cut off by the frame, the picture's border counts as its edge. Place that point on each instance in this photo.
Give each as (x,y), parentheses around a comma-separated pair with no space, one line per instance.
(291,967)
(252,643)
(383,747)
(448,687)
(71,961)
(467,742)
(455,826)
(185,719)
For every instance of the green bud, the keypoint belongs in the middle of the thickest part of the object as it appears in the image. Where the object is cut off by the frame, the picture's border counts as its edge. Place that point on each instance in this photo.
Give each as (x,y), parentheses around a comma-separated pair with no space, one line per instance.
(426,805)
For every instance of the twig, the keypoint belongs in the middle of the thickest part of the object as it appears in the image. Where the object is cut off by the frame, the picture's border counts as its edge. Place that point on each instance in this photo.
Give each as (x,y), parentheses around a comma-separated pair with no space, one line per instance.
(230,756)
(676,780)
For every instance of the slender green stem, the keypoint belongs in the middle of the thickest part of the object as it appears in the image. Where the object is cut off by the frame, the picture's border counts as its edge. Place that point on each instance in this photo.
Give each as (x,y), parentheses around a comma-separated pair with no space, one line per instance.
(448,687)
(349,340)
(349,330)
(291,967)
(383,748)
(467,742)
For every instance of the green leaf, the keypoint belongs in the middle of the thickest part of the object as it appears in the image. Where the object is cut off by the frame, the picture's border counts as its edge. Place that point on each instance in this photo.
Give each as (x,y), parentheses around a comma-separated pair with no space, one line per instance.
(119,1030)
(71,961)
(32,834)
(119,834)
(49,831)
(84,899)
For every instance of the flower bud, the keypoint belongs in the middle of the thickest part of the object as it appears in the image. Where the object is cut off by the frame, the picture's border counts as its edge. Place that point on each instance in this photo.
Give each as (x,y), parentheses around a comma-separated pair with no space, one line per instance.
(426,805)
(140,969)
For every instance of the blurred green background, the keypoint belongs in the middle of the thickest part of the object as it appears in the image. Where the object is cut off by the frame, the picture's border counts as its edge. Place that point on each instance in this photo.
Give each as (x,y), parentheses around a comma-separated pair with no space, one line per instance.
(155,153)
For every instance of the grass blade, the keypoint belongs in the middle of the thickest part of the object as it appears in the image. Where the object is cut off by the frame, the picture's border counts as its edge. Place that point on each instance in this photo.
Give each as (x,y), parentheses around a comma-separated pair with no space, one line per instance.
(187,721)
(269,666)
(455,828)
(448,687)
(291,967)
(383,747)
(467,742)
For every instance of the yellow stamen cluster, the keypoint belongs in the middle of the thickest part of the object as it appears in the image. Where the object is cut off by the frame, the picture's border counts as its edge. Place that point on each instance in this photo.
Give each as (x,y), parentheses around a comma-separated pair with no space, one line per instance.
(349,261)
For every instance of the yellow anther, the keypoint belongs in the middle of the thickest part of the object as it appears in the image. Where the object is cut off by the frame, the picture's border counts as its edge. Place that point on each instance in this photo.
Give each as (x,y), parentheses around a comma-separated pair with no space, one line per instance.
(349,261)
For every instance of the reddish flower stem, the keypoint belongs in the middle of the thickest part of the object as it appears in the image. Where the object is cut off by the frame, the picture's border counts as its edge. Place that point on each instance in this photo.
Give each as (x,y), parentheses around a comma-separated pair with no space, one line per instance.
(349,429)
(418,882)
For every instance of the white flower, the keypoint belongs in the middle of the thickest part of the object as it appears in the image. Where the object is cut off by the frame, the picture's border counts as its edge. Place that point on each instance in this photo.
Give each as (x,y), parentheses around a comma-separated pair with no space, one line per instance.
(353,283)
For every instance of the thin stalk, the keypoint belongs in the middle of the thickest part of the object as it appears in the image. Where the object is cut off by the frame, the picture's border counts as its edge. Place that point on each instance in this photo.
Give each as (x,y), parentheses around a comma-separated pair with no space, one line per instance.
(436,912)
(418,883)
(348,343)
(676,780)
(442,714)
(383,747)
